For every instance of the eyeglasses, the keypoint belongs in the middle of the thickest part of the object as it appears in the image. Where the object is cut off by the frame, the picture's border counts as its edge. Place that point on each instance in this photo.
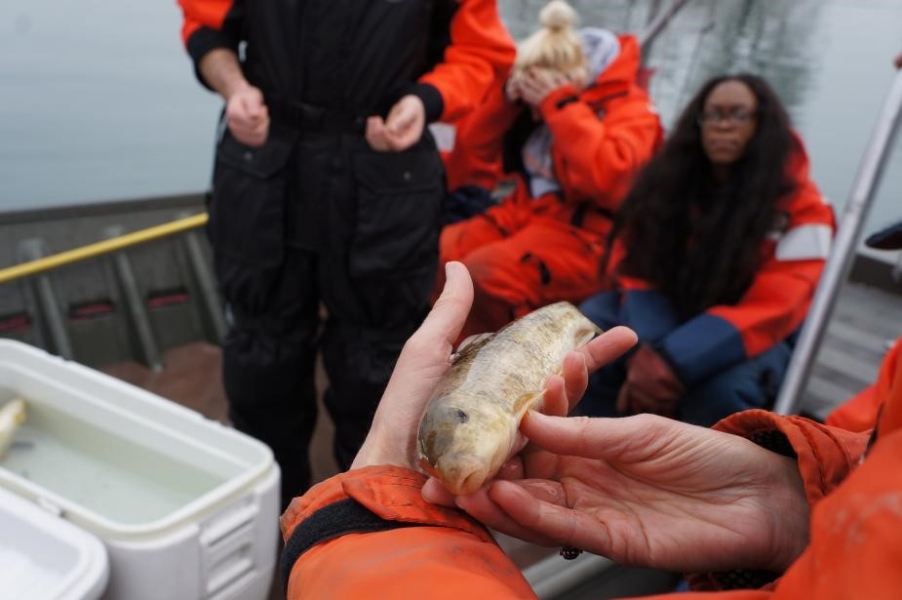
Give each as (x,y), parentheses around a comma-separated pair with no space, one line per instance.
(737,116)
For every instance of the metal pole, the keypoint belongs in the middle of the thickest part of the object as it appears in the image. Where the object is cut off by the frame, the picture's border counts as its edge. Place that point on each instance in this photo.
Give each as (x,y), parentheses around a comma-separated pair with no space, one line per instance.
(33,249)
(137,309)
(209,291)
(662,17)
(835,272)
(653,8)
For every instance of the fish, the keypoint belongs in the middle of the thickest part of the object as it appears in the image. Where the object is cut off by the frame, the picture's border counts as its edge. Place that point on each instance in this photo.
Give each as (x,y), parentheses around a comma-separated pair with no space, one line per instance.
(471,423)
(12,415)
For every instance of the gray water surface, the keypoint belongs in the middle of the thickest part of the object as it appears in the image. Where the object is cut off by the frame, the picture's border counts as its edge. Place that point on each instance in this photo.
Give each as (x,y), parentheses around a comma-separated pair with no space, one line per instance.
(98,100)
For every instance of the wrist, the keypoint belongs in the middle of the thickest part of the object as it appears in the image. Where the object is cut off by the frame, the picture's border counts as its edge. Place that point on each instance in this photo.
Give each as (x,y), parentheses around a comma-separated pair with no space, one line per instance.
(234,86)
(433,103)
(557,99)
(790,522)
(373,453)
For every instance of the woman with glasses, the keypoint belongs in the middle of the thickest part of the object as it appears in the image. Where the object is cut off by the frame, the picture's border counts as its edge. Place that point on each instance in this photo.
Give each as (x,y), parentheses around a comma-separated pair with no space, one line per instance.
(716,253)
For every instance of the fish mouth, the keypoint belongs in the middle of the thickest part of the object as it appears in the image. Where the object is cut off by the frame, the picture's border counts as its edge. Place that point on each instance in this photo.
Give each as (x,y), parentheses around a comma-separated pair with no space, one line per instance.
(459,480)
(462,476)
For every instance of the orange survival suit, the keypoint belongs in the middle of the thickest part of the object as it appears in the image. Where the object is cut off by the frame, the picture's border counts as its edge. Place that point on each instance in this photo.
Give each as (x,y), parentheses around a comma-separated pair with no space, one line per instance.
(544,243)
(403,547)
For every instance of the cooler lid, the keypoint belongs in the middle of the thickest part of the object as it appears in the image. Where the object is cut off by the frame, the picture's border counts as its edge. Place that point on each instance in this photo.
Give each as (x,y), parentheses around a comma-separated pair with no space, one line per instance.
(43,557)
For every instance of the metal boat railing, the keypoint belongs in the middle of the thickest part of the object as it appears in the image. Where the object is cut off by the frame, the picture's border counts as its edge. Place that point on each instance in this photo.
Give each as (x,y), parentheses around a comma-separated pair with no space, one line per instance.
(121,242)
(37,265)
(839,263)
(657,22)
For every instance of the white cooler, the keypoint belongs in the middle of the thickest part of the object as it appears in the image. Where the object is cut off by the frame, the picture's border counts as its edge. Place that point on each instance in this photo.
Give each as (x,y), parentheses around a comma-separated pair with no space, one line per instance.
(45,558)
(186,508)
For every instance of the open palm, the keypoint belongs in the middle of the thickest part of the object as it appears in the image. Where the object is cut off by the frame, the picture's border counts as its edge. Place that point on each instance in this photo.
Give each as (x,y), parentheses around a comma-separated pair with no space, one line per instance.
(650,491)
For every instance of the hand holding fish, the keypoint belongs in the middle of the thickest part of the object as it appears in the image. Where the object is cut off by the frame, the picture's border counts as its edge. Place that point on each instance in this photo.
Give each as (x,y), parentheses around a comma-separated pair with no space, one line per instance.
(648,491)
(426,359)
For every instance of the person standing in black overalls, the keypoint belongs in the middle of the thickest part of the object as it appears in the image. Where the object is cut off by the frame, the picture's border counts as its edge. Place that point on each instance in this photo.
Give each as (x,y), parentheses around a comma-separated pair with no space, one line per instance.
(327,187)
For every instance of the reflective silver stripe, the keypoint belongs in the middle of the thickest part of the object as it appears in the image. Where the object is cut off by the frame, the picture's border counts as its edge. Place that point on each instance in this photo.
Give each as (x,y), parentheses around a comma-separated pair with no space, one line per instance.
(807,242)
(444,135)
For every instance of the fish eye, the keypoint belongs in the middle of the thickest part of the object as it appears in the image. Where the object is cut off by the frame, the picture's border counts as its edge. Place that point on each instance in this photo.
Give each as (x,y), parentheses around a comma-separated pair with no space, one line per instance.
(462,416)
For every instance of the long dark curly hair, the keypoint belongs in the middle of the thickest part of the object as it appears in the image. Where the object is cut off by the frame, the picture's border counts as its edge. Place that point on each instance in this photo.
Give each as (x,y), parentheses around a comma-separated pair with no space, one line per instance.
(694,238)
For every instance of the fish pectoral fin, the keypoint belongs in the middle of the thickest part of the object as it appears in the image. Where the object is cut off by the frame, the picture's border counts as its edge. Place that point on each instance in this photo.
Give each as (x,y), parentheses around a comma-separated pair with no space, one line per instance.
(527,402)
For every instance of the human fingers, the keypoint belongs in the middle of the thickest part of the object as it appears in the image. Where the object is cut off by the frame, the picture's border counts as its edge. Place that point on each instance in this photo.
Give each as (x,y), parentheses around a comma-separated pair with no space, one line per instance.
(376,135)
(484,506)
(249,136)
(445,321)
(253,104)
(405,122)
(405,139)
(543,78)
(260,129)
(607,347)
(428,351)
(253,135)
(575,380)
(248,129)
(529,91)
(435,492)
(512,90)
(538,83)
(599,438)
(423,361)
(401,116)
(554,397)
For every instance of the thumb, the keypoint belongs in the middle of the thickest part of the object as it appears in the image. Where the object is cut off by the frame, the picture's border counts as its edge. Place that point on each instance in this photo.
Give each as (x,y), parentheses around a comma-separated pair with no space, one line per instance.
(251,107)
(400,119)
(447,317)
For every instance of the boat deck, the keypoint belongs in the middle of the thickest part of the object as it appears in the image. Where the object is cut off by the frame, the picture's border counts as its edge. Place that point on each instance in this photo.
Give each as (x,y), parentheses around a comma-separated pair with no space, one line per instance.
(865,320)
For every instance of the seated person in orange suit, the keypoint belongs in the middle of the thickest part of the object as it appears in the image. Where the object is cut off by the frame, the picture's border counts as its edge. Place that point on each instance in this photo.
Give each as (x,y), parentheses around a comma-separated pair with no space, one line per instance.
(575,127)
(717,251)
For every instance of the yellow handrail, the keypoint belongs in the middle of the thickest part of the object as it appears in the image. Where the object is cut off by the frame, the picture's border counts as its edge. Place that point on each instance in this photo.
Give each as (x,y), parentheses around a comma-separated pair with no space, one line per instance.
(106,246)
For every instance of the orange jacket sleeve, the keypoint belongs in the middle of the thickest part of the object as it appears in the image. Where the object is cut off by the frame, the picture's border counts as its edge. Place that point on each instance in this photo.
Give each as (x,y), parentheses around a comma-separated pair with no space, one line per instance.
(423,550)
(601,155)
(476,158)
(209,24)
(480,46)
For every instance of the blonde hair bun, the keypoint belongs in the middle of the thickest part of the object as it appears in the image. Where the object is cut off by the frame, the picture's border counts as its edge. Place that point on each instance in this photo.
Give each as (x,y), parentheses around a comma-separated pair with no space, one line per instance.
(556,46)
(558,15)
